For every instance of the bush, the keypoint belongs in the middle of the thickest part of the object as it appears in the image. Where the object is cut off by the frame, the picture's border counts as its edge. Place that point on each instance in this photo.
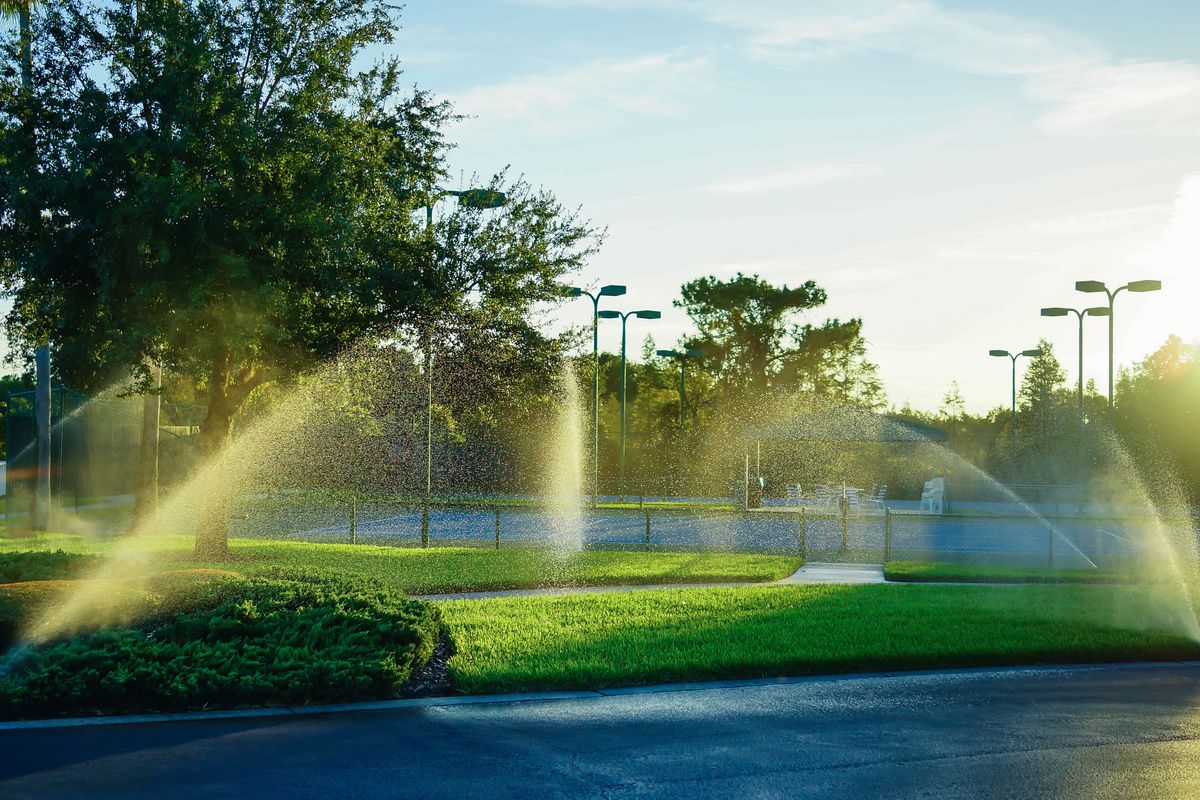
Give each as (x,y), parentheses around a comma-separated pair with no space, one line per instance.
(283,638)
(45,565)
(21,604)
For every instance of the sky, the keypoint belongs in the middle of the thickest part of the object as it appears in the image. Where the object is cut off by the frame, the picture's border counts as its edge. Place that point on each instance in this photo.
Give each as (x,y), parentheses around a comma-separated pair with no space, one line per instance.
(943,170)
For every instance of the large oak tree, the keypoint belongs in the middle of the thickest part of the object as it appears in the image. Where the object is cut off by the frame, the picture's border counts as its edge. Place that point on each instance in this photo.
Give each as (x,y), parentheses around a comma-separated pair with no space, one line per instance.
(224,191)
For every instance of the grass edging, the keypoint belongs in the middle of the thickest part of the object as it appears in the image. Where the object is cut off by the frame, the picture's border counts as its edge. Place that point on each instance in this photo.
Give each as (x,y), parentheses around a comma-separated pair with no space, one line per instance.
(949,572)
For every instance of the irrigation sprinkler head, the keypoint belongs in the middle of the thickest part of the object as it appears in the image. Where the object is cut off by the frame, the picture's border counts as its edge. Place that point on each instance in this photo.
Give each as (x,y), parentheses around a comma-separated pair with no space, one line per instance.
(1098,311)
(609,314)
(1090,286)
(612,290)
(1144,286)
(646,314)
(1055,312)
(1000,353)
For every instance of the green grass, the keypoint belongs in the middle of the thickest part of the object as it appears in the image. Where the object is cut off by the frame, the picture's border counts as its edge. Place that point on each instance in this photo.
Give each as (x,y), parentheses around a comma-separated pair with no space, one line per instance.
(597,640)
(446,569)
(454,569)
(923,571)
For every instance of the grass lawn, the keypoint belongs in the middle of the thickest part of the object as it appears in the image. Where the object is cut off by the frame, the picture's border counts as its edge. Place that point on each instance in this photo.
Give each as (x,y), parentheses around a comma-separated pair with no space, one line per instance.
(588,641)
(918,571)
(454,569)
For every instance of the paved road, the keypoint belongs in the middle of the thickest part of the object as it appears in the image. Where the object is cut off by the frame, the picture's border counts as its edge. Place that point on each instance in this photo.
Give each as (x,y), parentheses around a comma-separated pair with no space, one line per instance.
(1125,732)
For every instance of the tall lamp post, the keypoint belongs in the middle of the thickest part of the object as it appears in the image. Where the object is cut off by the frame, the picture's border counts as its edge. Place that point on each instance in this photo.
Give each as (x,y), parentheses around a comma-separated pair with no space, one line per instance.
(624,317)
(682,358)
(612,290)
(1058,311)
(1012,429)
(471,198)
(1098,286)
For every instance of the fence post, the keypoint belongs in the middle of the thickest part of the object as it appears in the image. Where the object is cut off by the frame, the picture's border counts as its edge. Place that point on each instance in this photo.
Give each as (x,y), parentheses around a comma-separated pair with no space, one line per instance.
(1050,544)
(887,534)
(803,535)
(497,528)
(844,506)
(647,529)
(353,519)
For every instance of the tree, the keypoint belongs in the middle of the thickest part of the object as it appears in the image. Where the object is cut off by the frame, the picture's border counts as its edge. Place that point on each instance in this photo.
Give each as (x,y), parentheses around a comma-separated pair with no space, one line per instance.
(754,345)
(228,197)
(1157,417)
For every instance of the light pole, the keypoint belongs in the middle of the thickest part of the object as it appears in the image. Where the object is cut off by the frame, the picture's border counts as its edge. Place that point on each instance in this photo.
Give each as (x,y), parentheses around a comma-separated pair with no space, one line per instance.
(1058,311)
(1098,286)
(471,198)
(682,358)
(624,317)
(612,290)
(1012,429)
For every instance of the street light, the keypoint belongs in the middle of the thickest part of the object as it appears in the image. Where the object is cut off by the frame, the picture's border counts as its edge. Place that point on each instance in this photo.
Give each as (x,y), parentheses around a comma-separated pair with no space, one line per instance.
(624,317)
(1034,353)
(1098,286)
(1058,311)
(470,198)
(682,358)
(612,290)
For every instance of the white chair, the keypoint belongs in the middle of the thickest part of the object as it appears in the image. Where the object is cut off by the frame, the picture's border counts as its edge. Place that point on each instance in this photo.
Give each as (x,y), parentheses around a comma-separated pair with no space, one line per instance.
(877,498)
(823,496)
(853,504)
(932,496)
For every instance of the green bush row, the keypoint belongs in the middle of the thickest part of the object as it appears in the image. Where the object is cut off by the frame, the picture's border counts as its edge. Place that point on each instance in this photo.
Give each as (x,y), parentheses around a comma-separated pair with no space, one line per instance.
(287,637)
(44,565)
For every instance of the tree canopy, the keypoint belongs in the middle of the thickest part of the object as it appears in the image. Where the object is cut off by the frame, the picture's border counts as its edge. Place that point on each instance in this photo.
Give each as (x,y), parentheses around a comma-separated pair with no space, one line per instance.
(755,344)
(224,191)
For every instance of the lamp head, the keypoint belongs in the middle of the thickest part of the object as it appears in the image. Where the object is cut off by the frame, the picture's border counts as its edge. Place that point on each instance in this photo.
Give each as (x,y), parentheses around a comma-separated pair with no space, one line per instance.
(573,291)
(1098,311)
(1144,286)
(667,353)
(1031,353)
(694,352)
(481,198)
(1000,353)
(1090,286)
(646,314)
(1055,312)
(612,290)
(609,314)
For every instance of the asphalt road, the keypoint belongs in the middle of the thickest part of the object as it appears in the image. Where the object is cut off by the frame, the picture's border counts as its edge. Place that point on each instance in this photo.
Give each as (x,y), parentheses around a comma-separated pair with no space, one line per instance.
(1123,732)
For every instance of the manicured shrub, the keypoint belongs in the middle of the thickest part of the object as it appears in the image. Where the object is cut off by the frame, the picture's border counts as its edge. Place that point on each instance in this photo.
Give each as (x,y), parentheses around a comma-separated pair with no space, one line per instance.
(283,638)
(44,565)
(108,603)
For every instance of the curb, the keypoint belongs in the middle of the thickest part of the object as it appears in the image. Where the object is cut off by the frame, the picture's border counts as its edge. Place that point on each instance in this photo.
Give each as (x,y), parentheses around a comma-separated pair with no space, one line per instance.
(584,694)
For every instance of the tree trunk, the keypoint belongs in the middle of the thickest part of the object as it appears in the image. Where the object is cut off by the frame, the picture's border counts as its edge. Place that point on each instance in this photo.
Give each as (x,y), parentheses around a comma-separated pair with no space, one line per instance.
(146,503)
(212,534)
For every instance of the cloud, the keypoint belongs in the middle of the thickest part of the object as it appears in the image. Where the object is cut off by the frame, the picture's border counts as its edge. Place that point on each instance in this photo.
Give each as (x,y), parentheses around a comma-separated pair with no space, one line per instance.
(799,177)
(1086,91)
(1131,97)
(594,95)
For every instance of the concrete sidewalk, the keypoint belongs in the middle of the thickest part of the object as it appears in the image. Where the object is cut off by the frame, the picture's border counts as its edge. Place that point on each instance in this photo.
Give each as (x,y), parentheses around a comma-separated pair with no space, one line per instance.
(809,573)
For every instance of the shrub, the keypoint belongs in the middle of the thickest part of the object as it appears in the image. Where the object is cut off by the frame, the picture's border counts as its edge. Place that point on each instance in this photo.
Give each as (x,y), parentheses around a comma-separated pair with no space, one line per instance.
(44,565)
(21,604)
(282,638)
